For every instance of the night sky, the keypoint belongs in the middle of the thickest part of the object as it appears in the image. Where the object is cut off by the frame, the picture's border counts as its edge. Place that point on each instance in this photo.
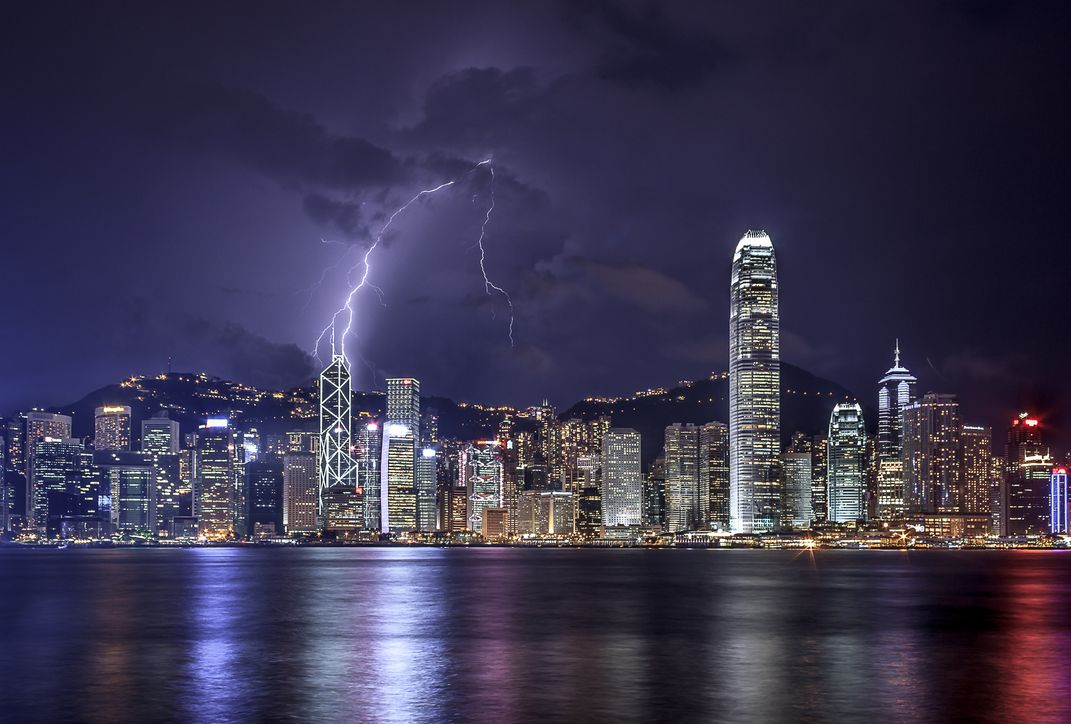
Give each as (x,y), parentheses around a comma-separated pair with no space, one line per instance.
(172,171)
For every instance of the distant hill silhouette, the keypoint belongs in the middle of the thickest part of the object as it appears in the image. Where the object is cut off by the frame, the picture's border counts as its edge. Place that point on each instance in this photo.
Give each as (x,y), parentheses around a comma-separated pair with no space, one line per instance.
(806,402)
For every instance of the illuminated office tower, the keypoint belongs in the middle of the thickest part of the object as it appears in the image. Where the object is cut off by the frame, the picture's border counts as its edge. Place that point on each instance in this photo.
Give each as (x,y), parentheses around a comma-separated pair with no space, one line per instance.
(213,494)
(819,475)
(511,481)
(397,486)
(996,494)
(714,473)
(976,468)
(754,387)
(159,434)
(300,493)
(797,511)
(170,494)
(1029,500)
(931,450)
(621,478)
(111,426)
(896,390)
(366,457)
(128,493)
(403,403)
(846,464)
(1025,501)
(546,512)
(336,466)
(39,426)
(15,437)
(682,478)
(160,442)
(588,497)
(264,497)
(579,439)
(66,489)
(481,474)
(1058,508)
(549,446)
(426,466)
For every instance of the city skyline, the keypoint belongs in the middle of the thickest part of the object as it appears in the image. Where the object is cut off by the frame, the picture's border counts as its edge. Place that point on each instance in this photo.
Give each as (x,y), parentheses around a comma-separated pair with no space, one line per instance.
(394,472)
(537,361)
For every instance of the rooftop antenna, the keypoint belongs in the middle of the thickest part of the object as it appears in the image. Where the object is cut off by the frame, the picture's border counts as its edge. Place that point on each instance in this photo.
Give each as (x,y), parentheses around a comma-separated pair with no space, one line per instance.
(896,358)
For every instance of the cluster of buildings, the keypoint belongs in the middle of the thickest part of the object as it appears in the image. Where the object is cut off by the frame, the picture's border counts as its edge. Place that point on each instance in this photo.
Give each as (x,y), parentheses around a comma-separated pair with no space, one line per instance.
(358,476)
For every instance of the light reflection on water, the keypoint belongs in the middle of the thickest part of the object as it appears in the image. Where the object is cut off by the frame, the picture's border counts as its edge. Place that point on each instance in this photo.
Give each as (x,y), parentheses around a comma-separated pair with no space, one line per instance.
(493,634)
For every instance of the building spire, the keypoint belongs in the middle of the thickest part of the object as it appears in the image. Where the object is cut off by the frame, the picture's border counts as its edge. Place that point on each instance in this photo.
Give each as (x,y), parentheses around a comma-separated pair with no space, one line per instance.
(896,355)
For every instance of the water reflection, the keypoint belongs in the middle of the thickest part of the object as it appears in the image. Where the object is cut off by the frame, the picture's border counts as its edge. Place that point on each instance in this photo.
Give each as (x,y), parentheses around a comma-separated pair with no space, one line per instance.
(506,635)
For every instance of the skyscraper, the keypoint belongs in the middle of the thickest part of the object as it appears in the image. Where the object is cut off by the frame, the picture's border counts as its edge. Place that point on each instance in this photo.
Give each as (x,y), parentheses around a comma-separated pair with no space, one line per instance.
(67,488)
(976,469)
(796,466)
(264,497)
(403,403)
(426,466)
(1058,501)
(819,475)
(714,473)
(622,479)
(754,387)
(682,477)
(39,426)
(896,390)
(481,473)
(367,453)
(128,492)
(1029,500)
(1025,497)
(397,486)
(214,499)
(336,466)
(846,461)
(931,450)
(111,425)
(300,493)
(654,496)
(160,443)
(159,434)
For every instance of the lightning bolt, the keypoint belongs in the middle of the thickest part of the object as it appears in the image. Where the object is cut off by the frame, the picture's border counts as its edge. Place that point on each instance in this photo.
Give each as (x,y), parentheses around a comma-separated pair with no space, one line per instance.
(363,267)
(488,285)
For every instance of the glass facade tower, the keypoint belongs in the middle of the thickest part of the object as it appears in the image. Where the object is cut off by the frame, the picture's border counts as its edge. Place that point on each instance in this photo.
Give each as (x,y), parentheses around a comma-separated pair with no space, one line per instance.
(754,387)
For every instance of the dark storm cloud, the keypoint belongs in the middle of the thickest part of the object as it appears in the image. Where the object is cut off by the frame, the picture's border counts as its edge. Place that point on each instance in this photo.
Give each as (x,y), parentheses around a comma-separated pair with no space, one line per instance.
(287,145)
(243,355)
(345,215)
(646,47)
(222,348)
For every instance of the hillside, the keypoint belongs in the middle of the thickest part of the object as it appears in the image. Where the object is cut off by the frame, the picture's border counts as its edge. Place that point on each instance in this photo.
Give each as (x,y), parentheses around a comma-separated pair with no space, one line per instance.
(806,402)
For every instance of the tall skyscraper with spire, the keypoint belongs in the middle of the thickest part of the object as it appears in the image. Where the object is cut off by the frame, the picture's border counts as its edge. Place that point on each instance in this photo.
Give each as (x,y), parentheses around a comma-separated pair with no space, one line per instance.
(754,387)
(896,391)
(336,468)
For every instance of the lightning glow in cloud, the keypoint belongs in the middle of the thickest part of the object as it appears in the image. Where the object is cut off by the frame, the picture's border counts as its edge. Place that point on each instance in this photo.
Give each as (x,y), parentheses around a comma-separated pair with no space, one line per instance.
(346,312)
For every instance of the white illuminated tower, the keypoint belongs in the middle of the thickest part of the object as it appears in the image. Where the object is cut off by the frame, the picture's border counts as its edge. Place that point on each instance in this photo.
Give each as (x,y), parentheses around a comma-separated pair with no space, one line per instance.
(897,390)
(754,387)
(622,480)
(846,461)
(336,465)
